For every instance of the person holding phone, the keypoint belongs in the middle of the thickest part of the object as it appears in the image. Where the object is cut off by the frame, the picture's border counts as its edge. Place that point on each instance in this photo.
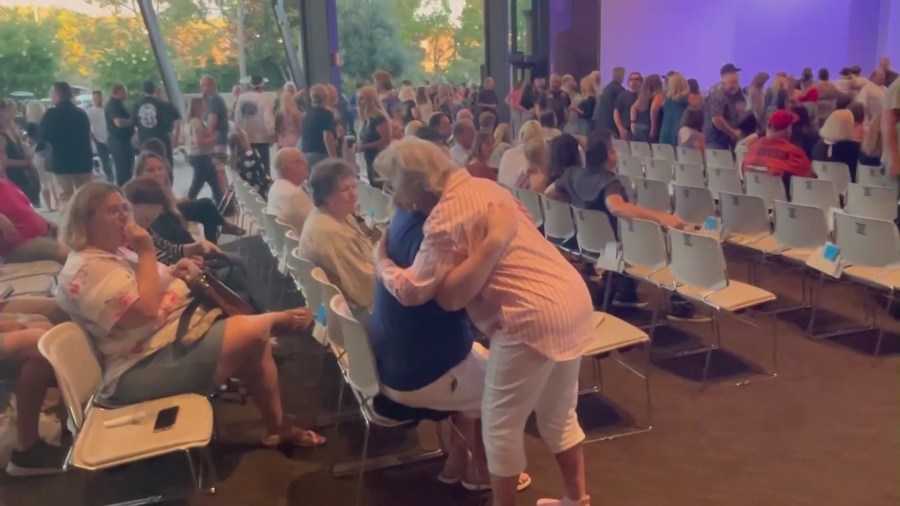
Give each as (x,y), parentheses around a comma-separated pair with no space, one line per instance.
(132,306)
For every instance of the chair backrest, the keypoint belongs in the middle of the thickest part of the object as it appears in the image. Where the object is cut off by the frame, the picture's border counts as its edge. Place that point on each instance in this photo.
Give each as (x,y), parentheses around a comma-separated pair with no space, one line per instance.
(663,152)
(594,232)
(78,374)
(558,222)
(689,174)
(279,237)
(630,166)
(659,170)
(363,199)
(836,172)
(643,243)
(767,186)
(641,149)
(361,371)
(304,271)
(814,192)
(697,260)
(629,186)
(380,205)
(291,242)
(652,194)
(723,180)
(532,202)
(866,242)
(693,204)
(744,215)
(870,175)
(879,202)
(621,147)
(689,155)
(327,292)
(800,226)
(719,158)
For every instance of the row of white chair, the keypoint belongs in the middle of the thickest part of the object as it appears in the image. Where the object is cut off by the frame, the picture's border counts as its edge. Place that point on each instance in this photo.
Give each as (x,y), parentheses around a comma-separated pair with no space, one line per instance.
(645,152)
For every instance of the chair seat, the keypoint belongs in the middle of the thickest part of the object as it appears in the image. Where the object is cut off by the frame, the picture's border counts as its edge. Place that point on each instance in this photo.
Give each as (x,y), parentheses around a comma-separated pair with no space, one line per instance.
(613,334)
(877,277)
(734,297)
(763,243)
(798,254)
(27,269)
(41,284)
(99,447)
(662,277)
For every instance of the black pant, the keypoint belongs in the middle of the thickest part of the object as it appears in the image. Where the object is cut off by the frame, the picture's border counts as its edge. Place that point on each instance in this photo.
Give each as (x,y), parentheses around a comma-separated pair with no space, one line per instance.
(204,173)
(123,158)
(25,180)
(263,150)
(103,155)
(205,212)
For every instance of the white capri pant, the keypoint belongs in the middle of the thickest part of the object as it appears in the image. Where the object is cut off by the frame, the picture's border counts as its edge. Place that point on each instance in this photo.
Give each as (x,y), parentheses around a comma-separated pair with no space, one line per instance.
(520,380)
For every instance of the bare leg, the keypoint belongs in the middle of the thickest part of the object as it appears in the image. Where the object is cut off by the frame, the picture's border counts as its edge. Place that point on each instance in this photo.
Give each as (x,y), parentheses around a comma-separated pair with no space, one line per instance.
(458,453)
(35,377)
(571,465)
(504,489)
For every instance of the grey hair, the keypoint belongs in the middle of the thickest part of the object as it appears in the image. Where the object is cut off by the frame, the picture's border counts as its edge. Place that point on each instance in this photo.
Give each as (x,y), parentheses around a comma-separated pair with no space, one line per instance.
(318,94)
(326,176)
(277,160)
(414,165)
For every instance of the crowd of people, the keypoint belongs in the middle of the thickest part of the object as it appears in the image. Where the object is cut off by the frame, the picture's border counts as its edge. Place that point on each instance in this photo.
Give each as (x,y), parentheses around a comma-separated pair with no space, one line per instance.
(458,258)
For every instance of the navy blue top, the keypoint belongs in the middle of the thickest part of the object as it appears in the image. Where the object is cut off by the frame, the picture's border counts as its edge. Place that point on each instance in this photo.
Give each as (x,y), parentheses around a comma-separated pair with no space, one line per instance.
(414,346)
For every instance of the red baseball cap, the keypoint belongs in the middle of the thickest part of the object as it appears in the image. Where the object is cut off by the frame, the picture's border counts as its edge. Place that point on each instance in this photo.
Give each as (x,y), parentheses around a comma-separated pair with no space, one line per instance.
(781,120)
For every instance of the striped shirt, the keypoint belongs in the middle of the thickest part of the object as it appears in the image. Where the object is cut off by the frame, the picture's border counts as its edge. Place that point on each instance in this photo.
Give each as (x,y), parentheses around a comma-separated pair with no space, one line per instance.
(167,252)
(534,296)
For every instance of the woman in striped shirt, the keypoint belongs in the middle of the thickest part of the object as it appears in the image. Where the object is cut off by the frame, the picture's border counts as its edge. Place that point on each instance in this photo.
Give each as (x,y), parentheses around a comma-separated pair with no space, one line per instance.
(531,303)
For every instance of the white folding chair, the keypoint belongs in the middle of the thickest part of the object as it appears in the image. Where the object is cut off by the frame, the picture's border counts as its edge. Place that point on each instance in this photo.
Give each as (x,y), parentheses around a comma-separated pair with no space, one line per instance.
(532,202)
(870,175)
(698,267)
(689,155)
(559,227)
(814,192)
(723,180)
(745,222)
(663,152)
(879,202)
(629,186)
(379,208)
(652,195)
(693,204)
(621,147)
(799,229)
(362,377)
(660,170)
(612,338)
(719,158)
(597,243)
(836,172)
(766,186)
(97,446)
(689,174)
(641,149)
(630,166)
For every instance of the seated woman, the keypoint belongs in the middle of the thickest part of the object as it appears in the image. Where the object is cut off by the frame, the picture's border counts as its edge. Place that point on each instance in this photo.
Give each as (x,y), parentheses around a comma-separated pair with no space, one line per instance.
(332,238)
(690,135)
(837,143)
(25,236)
(131,307)
(537,156)
(534,306)
(564,154)
(482,148)
(22,323)
(203,211)
(427,357)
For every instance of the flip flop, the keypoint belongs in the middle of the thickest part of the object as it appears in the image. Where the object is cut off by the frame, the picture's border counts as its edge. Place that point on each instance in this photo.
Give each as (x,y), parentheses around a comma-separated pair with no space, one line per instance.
(524,482)
(300,438)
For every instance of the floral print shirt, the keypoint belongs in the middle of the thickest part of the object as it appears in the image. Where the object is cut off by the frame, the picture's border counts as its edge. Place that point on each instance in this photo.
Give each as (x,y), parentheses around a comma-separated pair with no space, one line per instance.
(96,288)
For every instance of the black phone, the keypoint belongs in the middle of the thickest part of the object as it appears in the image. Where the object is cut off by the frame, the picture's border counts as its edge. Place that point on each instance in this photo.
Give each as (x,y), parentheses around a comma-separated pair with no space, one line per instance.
(165,419)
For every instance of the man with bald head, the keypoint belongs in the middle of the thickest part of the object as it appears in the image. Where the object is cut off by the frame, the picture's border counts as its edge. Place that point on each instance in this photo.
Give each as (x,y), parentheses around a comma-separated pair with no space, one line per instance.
(463,138)
(288,200)
(318,130)
(465,115)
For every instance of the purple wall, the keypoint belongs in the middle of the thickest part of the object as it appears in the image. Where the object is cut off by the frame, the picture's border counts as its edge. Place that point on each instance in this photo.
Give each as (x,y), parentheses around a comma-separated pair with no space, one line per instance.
(574,38)
(655,36)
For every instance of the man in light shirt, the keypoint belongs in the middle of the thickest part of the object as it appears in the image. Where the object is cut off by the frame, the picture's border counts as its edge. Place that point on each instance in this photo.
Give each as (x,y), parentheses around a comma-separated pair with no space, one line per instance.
(870,95)
(99,134)
(255,115)
(890,128)
(288,200)
(463,137)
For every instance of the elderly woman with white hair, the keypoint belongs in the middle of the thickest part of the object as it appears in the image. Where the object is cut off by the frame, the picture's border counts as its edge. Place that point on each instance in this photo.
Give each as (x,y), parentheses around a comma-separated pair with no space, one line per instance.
(513,163)
(531,303)
(837,143)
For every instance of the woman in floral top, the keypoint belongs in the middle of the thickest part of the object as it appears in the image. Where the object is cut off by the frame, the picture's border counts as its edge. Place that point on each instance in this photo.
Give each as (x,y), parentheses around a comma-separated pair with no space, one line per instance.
(131,305)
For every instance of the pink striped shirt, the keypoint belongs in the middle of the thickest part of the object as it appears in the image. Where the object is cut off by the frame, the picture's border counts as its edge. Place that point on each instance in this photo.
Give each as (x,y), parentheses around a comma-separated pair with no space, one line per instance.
(534,295)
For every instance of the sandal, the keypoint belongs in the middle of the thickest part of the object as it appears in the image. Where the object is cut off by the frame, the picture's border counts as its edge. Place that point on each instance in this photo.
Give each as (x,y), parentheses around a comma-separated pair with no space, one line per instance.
(232,229)
(296,324)
(524,482)
(301,438)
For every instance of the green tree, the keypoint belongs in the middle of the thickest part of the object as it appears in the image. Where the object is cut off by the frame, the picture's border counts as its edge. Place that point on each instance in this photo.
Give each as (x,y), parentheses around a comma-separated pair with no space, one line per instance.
(129,63)
(469,39)
(369,41)
(29,54)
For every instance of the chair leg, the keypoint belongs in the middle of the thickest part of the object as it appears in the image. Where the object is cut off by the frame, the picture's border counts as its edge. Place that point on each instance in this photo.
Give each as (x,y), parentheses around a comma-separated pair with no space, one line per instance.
(365,456)
(210,467)
(340,404)
(195,475)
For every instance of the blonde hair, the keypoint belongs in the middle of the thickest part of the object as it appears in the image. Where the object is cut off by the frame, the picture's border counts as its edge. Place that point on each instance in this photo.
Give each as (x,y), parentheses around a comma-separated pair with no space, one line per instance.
(536,153)
(414,165)
(838,127)
(501,133)
(678,86)
(412,127)
(79,211)
(530,129)
(588,86)
(369,104)
(34,111)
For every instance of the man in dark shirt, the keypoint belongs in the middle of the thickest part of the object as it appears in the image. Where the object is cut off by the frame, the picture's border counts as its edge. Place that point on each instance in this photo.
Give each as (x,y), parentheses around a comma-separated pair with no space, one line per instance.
(604,113)
(156,119)
(120,127)
(318,130)
(487,97)
(622,107)
(556,100)
(215,116)
(67,129)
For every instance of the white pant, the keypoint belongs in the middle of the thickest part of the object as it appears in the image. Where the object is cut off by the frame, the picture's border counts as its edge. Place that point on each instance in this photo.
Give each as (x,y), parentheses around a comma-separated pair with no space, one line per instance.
(520,380)
(459,389)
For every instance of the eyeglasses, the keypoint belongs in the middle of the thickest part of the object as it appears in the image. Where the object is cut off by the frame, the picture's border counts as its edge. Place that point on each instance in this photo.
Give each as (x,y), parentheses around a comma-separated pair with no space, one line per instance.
(114,211)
